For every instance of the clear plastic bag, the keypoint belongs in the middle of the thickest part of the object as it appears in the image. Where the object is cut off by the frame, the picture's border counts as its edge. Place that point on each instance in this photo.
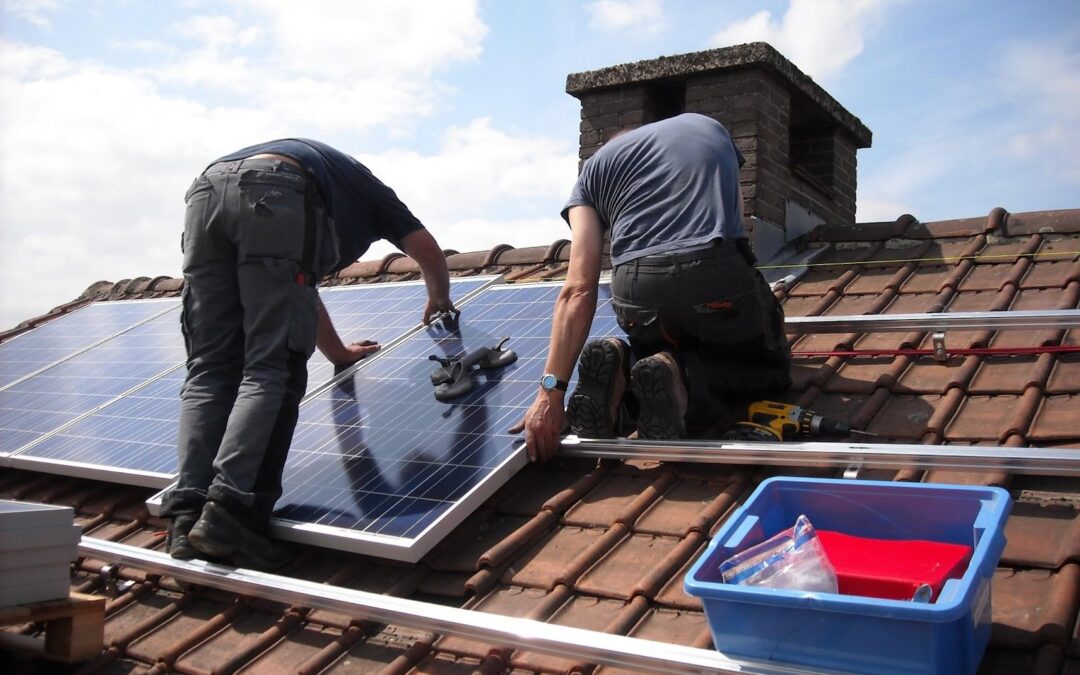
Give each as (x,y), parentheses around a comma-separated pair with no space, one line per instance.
(793,559)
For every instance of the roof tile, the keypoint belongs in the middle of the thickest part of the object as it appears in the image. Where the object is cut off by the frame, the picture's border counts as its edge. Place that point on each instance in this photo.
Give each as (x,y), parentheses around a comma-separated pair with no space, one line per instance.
(579,612)
(1055,419)
(620,572)
(1034,607)
(961,227)
(1042,535)
(1010,374)
(1065,376)
(1063,221)
(546,563)
(601,506)
(689,505)
(672,594)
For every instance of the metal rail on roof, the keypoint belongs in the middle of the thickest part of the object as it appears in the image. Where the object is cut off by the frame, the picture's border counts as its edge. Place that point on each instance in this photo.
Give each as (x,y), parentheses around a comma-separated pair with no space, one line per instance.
(513,632)
(1037,461)
(861,323)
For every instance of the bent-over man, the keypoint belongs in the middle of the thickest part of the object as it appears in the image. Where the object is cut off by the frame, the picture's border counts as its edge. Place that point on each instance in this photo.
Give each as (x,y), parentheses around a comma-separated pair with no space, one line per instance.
(263,225)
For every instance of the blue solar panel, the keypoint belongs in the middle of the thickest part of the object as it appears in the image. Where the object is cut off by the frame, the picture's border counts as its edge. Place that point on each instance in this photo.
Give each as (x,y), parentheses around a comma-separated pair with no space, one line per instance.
(133,439)
(71,333)
(379,466)
(60,394)
(378,312)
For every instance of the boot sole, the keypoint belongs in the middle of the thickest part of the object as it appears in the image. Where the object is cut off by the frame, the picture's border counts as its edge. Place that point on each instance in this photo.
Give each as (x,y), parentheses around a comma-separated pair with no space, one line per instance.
(588,410)
(660,417)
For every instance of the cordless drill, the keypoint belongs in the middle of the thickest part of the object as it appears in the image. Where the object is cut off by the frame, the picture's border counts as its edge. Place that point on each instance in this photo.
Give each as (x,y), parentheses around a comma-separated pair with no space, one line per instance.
(772,420)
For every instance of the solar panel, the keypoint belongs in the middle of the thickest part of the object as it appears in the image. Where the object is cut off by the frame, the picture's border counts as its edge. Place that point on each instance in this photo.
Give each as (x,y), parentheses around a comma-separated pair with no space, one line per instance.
(379,466)
(133,439)
(379,312)
(44,402)
(69,334)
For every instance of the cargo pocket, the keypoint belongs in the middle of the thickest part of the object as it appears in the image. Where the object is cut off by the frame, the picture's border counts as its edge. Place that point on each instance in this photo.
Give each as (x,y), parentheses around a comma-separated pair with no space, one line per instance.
(272,210)
(185,314)
(197,204)
(730,319)
(641,323)
(303,319)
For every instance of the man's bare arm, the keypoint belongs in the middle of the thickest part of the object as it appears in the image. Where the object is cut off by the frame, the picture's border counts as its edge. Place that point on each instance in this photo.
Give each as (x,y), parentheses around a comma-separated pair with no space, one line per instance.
(329,342)
(422,247)
(574,310)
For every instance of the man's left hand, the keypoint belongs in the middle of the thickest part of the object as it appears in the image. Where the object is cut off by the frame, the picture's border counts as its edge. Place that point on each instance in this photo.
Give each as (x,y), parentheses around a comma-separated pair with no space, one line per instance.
(354,352)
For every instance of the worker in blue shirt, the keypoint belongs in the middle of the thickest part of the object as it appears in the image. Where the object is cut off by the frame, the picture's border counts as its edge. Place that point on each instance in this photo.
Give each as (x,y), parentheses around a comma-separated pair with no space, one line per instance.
(704,328)
(263,225)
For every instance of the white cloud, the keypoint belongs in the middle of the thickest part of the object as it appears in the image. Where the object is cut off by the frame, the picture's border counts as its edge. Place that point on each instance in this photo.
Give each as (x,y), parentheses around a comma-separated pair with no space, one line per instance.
(1045,76)
(342,39)
(94,166)
(821,37)
(643,16)
(36,12)
(478,168)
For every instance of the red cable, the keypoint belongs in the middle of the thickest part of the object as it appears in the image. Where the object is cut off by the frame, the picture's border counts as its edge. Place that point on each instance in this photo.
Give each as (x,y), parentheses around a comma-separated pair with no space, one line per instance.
(960,351)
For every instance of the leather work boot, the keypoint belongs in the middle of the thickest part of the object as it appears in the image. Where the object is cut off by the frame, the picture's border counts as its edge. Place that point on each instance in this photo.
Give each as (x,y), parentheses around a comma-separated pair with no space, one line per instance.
(220,535)
(176,541)
(593,410)
(658,385)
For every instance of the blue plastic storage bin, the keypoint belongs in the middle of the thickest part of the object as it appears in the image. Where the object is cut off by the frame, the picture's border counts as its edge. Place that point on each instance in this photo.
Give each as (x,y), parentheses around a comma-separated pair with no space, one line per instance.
(855,633)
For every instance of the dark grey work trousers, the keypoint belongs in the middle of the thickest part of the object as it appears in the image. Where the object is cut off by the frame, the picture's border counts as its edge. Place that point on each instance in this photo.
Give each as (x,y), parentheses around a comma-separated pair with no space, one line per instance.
(249,321)
(714,311)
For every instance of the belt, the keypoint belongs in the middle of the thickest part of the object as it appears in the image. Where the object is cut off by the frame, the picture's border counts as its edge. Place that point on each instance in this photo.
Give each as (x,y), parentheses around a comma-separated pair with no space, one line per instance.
(265,161)
(719,248)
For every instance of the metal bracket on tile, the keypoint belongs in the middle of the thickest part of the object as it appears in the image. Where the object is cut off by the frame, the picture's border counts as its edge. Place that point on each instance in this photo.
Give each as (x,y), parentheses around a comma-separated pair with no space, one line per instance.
(852,472)
(940,353)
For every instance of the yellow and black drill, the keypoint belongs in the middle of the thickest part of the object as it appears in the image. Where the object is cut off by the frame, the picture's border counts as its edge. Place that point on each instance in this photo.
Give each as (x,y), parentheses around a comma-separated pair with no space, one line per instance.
(776,421)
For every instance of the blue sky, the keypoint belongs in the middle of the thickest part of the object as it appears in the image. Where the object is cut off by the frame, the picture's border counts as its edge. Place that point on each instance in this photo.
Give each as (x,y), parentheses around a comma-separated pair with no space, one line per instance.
(109,109)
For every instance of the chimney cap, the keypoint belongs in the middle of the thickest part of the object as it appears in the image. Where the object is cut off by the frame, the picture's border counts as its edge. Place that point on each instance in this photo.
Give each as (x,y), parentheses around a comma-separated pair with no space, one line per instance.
(754,54)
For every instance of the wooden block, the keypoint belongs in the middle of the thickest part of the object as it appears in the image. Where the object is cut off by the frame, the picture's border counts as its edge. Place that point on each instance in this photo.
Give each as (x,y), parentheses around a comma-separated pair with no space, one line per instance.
(74,627)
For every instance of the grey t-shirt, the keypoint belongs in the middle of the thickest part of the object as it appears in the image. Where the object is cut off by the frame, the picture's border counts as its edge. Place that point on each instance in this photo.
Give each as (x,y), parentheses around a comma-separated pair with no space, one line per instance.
(666,186)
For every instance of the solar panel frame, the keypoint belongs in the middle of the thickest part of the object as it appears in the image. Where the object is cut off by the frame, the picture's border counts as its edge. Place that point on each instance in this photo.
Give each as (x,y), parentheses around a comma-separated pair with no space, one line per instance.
(427,532)
(145,466)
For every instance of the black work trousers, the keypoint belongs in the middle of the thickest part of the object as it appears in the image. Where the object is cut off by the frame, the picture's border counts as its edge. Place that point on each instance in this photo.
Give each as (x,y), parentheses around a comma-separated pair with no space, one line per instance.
(714,311)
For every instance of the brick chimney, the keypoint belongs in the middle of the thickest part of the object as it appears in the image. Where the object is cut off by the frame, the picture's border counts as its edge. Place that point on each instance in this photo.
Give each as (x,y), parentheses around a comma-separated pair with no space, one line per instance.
(798,141)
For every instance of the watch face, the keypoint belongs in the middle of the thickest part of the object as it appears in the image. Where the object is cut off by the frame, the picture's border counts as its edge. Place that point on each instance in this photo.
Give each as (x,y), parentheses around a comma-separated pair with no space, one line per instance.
(548,381)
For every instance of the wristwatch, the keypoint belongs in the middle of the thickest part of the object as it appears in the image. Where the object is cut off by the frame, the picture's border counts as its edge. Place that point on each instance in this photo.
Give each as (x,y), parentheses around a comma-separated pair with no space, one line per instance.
(549,382)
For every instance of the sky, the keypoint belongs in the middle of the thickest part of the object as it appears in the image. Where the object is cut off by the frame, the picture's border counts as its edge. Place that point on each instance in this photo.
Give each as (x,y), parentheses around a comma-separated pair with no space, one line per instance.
(108,110)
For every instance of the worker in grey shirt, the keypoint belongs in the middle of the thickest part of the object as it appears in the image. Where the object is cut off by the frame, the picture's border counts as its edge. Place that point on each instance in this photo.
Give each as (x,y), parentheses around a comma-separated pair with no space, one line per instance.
(263,225)
(704,329)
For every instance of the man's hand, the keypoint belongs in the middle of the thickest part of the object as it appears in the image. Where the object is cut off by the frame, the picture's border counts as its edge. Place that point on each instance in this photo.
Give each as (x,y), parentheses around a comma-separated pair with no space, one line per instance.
(436,305)
(543,424)
(353,352)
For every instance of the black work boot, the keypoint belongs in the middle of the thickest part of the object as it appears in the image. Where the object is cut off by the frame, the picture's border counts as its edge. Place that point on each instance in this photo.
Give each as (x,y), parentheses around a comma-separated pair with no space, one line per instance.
(658,385)
(176,541)
(593,410)
(220,535)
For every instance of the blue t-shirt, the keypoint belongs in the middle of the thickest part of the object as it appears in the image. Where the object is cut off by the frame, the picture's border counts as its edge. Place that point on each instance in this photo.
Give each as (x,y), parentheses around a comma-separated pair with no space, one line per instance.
(363,209)
(666,186)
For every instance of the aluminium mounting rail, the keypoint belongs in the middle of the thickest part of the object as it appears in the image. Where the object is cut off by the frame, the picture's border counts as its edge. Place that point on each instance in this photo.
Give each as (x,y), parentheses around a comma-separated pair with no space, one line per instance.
(513,632)
(1036,461)
(863,323)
